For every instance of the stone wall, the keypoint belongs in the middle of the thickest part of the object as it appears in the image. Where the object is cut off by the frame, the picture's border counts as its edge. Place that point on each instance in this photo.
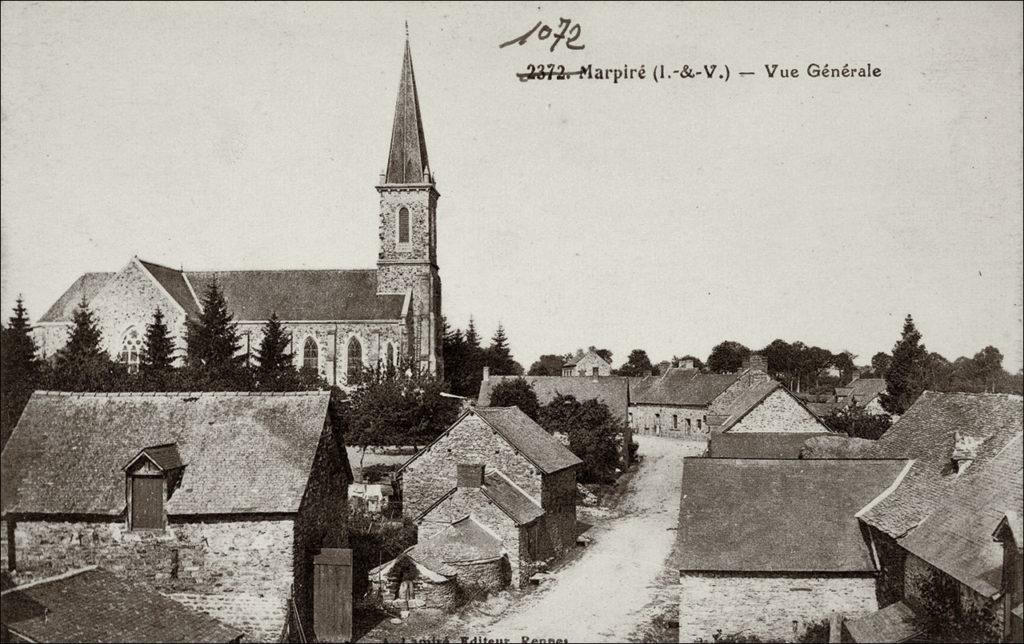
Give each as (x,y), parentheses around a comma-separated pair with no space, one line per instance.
(484,577)
(238,571)
(669,420)
(559,502)
(522,553)
(748,378)
(321,521)
(332,357)
(918,572)
(586,365)
(432,474)
(772,608)
(779,412)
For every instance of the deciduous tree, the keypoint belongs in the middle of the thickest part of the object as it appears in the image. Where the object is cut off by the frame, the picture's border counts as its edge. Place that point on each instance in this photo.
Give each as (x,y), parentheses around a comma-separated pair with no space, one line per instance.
(516,392)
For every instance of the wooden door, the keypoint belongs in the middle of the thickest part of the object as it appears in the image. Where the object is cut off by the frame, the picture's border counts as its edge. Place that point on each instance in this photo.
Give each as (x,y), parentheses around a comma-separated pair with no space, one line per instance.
(147,502)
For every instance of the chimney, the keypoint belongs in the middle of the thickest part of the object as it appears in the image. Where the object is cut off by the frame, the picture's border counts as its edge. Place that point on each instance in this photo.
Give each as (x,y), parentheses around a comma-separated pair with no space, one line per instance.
(487,373)
(470,475)
(686,364)
(758,363)
(965,450)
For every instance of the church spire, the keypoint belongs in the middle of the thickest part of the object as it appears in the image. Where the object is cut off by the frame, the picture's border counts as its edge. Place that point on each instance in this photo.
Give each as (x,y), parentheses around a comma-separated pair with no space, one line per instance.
(407,160)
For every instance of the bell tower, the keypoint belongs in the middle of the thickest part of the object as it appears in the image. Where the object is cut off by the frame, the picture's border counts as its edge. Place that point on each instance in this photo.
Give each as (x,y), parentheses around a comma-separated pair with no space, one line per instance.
(407,262)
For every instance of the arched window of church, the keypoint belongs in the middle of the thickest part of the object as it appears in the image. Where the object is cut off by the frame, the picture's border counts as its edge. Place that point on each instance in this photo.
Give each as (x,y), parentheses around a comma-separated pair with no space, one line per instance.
(391,355)
(403,226)
(310,355)
(355,358)
(131,349)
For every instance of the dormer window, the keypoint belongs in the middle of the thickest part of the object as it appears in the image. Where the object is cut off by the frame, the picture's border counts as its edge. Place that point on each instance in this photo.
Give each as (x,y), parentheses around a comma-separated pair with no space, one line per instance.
(151,477)
(965,450)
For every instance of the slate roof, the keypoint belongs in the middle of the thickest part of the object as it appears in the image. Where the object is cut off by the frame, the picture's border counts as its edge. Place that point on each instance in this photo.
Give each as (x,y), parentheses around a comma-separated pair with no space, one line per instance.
(821,409)
(743,403)
(925,433)
(767,445)
(688,387)
(756,515)
(407,157)
(864,390)
(243,452)
(97,606)
(87,286)
(836,446)
(302,294)
(510,498)
(1014,527)
(895,623)
(958,539)
(174,282)
(541,448)
(166,457)
(613,391)
(464,541)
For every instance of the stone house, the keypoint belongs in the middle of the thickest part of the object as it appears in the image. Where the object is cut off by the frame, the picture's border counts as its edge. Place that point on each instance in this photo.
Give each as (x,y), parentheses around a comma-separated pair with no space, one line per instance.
(589,364)
(219,501)
(688,403)
(455,564)
(933,532)
(612,391)
(340,321)
(1010,533)
(863,393)
(518,521)
(91,605)
(767,548)
(502,440)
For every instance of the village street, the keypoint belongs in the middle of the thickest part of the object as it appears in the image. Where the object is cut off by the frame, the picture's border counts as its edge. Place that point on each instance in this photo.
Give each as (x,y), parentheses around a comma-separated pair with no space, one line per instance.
(602,596)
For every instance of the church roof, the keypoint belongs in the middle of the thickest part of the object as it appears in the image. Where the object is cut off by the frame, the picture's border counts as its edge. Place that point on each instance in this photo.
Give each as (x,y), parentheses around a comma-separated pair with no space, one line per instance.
(86,286)
(302,294)
(407,158)
(174,282)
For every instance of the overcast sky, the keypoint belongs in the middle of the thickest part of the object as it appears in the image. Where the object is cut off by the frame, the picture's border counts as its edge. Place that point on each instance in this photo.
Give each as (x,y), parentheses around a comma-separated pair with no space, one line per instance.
(664,216)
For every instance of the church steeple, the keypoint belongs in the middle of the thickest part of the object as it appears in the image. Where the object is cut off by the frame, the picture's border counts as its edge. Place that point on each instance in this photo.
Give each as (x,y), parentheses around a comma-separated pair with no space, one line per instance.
(407,159)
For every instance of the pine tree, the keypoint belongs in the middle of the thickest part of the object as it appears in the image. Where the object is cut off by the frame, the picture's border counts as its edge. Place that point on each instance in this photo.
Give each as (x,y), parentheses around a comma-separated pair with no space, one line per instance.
(472,337)
(156,363)
(83,364)
(905,379)
(20,369)
(272,360)
(212,343)
(499,356)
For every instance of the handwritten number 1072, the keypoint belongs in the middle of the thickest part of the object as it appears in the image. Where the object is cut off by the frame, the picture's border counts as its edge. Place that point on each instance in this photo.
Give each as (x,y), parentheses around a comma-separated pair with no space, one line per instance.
(567,32)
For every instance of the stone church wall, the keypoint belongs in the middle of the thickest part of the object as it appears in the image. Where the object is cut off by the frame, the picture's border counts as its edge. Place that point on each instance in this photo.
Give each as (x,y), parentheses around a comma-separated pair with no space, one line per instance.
(779,412)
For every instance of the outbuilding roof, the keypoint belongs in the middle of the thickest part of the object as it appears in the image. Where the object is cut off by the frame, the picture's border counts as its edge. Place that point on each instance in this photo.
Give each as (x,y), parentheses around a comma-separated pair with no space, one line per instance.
(613,391)
(243,452)
(464,541)
(926,434)
(685,387)
(756,515)
(93,605)
(533,441)
(895,623)
(958,539)
(767,445)
(510,498)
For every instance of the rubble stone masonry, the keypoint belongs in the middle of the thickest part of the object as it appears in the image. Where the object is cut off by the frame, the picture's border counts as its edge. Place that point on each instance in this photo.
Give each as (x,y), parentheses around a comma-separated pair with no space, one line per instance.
(239,571)
(432,474)
(779,412)
(771,608)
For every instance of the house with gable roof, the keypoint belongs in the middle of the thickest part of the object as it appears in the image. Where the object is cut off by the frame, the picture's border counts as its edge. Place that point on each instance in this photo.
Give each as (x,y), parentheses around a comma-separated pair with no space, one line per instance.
(589,364)
(501,467)
(219,501)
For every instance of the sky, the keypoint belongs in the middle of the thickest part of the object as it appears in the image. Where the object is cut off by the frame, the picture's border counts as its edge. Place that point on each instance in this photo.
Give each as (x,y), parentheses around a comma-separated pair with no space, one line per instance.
(665,216)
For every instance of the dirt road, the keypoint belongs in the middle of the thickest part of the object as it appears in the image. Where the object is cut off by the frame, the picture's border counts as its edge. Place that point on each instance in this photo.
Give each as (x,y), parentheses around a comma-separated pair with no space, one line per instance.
(602,595)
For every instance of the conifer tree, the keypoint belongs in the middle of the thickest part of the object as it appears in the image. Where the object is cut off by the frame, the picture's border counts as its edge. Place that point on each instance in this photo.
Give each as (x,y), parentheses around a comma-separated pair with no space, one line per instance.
(156,363)
(906,377)
(272,360)
(83,364)
(20,369)
(472,337)
(212,343)
(499,356)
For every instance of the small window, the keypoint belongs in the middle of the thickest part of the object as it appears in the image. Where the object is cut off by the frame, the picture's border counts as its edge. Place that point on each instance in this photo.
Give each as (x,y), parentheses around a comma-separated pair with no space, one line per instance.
(355,358)
(403,226)
(310,355)
(131,349)
(391,356)
(675,421)
(689,425)
(594,371)
(698,424)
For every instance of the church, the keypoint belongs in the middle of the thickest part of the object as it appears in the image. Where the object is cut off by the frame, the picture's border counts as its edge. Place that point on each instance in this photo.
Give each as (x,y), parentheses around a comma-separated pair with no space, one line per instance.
(339,320)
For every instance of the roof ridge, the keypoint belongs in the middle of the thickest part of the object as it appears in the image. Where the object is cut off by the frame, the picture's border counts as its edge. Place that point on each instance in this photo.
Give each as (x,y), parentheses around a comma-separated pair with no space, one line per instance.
(47,580)
(175,394)
(284,270)
(170,268)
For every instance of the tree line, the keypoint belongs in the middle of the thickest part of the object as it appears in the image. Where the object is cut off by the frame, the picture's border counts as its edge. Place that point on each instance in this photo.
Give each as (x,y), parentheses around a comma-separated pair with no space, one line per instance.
(465,358)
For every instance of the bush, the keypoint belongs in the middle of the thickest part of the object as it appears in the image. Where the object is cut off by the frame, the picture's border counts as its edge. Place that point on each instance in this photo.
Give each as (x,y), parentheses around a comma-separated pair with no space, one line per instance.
(375,540)
(856,423)
(593,434)
(516,392)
